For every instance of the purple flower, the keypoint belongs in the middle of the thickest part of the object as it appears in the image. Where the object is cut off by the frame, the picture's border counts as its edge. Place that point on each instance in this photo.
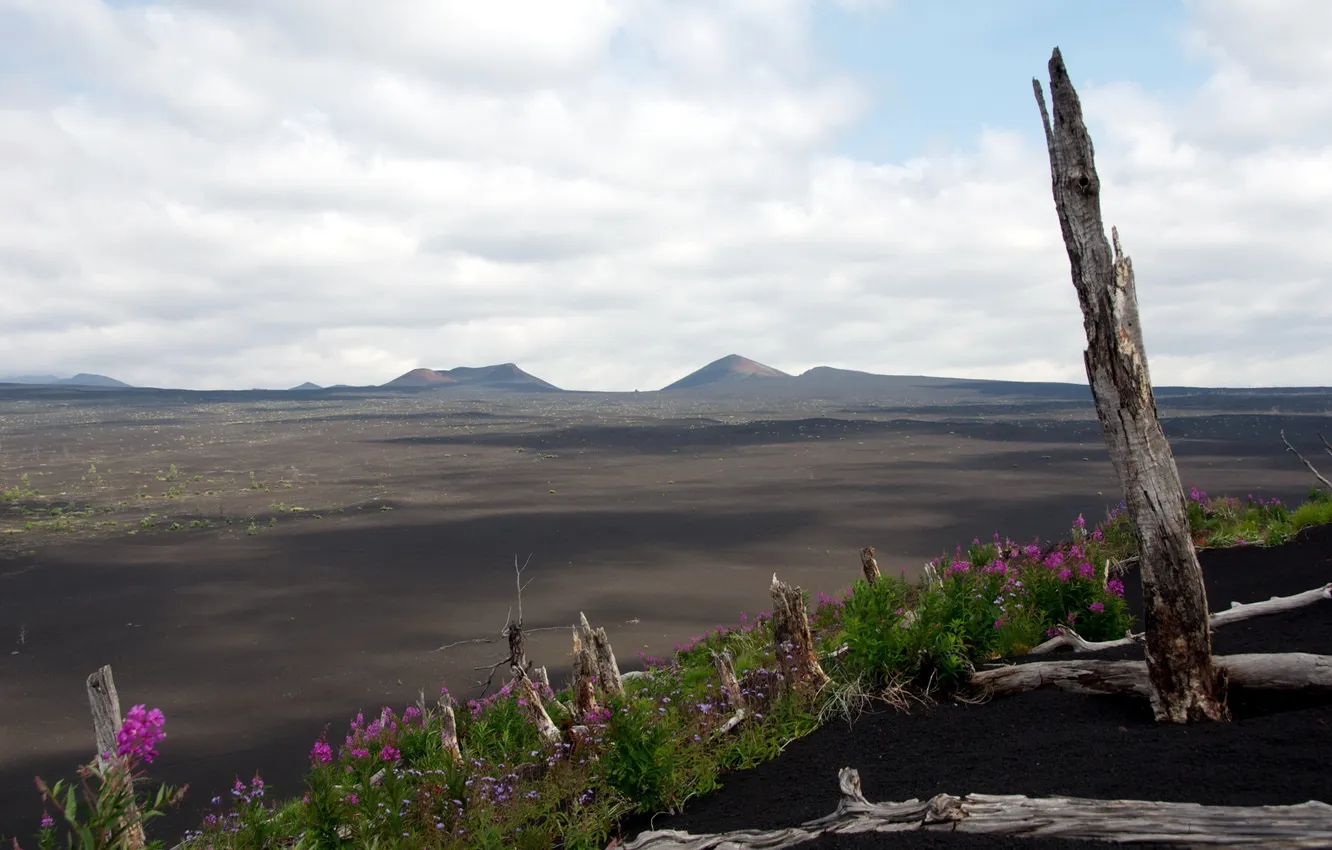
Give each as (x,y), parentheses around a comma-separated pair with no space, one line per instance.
(352,799)
(1115,586)
(390,754)
(1065,574)
(47,821)
(139,734)
(321,752)
(1097,607)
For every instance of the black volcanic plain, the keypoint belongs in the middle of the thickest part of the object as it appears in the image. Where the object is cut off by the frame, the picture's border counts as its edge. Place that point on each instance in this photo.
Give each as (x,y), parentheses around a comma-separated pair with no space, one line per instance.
(381,525)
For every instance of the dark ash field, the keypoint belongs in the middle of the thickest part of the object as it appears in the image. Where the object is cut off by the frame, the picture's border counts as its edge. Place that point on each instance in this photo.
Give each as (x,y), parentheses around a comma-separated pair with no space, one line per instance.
(260,565)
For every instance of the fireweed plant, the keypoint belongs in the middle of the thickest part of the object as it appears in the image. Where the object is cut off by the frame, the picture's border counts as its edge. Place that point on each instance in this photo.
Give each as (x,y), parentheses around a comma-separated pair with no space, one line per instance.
(100,820)
(389,782)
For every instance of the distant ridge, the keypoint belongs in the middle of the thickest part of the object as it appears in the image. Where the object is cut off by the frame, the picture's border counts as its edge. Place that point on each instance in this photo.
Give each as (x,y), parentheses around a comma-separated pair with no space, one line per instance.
(307,386)
(83,379)
(506,376)
(728,370)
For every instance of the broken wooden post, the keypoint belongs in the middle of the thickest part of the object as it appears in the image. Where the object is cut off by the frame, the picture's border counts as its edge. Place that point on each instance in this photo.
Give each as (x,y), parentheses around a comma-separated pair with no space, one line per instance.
(869,565)
(607,671)
(793,641)
(543,679)
(107,720)
(1185,686)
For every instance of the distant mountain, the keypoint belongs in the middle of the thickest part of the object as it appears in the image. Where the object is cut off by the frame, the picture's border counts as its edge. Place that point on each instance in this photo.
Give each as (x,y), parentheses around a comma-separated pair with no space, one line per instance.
(307,386)
(83,379)
(505,376)
(729,370)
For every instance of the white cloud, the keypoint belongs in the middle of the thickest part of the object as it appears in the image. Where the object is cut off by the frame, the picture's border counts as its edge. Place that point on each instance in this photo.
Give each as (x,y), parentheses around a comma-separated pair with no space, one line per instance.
(611,193)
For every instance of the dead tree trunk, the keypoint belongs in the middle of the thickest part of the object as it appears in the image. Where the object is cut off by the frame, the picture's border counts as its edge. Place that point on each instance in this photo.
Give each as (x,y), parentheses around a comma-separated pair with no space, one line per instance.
(107,718)
(869,565)
(793,641)
(1185,686)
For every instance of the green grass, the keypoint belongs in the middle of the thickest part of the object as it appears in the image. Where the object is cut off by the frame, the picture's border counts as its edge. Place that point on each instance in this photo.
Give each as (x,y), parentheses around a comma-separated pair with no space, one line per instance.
(656,747)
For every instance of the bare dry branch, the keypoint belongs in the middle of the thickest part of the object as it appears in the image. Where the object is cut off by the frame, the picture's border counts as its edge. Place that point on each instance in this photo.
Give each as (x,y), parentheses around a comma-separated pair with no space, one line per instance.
(1303,460)
(1234,614)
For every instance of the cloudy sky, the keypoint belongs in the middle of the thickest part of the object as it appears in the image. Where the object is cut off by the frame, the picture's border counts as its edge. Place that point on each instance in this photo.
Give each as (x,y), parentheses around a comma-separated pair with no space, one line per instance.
(237,193)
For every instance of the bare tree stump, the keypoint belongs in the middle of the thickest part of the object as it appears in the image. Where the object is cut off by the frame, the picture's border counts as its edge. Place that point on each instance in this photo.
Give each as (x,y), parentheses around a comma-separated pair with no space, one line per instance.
(608,672)
(793,641)
(543,679)
(448,731)
(584,678)
(1185,687)
(869,565)
(107,719)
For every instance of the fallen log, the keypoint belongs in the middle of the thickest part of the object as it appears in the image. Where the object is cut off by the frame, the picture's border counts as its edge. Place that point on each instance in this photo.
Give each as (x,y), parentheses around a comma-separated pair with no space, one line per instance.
(1234,614)
(1186,824)
(1259,671)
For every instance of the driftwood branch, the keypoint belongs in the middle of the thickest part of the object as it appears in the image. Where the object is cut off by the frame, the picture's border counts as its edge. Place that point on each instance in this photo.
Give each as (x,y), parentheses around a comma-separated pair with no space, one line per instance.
(1184,685)
(1234,614)
(1259,671)
(1303,460)
(1127,821)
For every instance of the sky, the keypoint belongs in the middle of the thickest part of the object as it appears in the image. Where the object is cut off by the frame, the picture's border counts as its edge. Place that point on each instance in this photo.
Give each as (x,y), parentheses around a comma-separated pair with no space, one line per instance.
(224,194)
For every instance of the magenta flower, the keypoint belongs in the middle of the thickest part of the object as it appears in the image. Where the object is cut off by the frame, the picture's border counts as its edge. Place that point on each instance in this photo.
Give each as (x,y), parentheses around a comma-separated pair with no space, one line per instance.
(1097,607)
(321,752)
(1065,574)
(1115,586)
(390,754)
(47,821)
(352,799)
(139,734)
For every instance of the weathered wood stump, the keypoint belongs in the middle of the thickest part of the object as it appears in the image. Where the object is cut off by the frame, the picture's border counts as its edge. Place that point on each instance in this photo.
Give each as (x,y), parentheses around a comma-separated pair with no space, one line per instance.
(448,730)
(869,565)
(793,641)
(603,657)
